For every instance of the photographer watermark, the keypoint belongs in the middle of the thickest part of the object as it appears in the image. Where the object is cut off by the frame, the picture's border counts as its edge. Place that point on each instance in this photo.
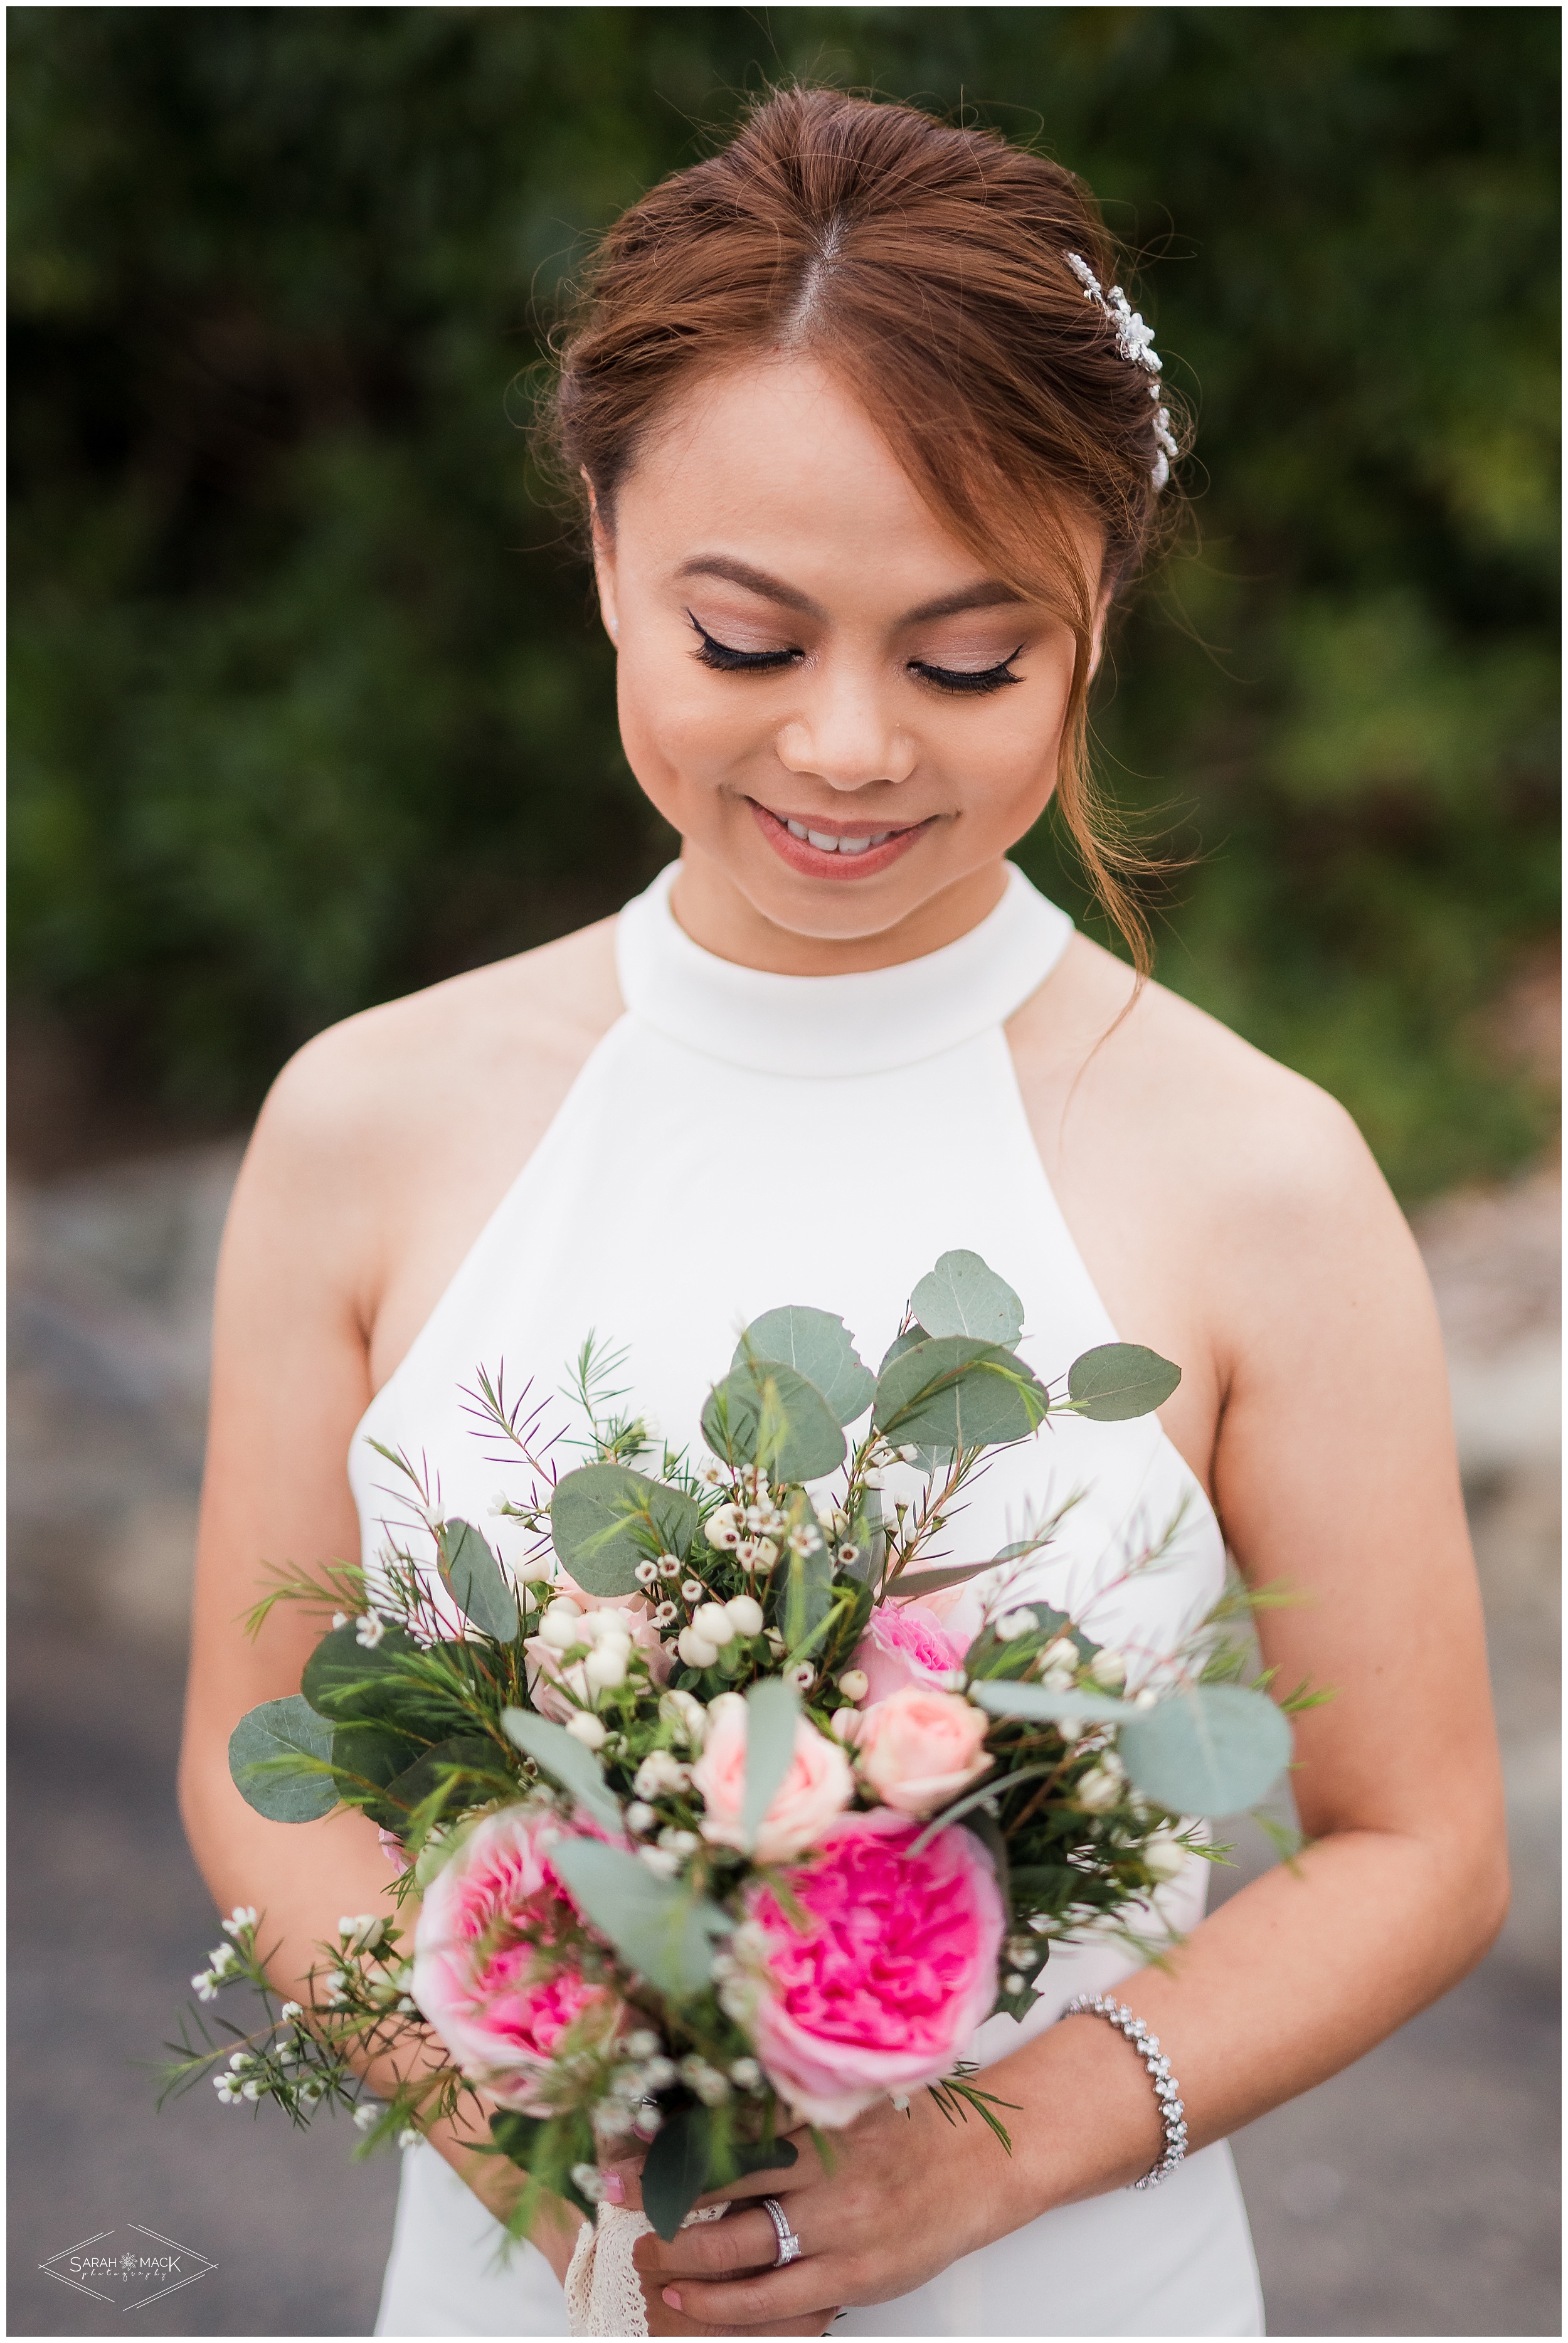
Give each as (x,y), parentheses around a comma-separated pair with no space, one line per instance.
(128,2267)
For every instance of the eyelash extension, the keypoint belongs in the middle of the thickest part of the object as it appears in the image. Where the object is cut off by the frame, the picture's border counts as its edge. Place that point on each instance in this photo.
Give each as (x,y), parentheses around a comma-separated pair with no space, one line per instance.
(727,660)
(988,678)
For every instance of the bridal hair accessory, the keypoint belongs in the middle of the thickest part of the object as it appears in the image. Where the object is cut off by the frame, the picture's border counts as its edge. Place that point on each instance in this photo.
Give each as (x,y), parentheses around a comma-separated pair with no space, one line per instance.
(1134,341)
(1167,2089)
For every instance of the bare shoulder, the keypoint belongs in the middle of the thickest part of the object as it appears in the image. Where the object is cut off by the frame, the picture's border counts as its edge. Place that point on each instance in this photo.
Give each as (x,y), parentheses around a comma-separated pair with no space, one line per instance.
(423,1109)
(1151,1097)
(470,1043)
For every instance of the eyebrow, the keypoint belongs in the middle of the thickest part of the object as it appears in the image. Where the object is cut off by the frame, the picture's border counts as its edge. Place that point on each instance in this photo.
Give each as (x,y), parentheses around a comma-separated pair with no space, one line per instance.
(987,595)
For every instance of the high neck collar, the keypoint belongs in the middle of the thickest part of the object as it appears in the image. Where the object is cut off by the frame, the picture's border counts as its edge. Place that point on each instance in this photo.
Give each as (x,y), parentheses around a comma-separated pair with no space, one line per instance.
(834,1026)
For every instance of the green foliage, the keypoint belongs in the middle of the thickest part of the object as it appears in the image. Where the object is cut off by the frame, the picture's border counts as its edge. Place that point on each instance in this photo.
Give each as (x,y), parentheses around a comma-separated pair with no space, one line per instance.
(605,1519)
(659,1927)
(310,703)
(953,1391)
(566,1761)
(473,1577)
(1121,1380)
(962,1296)
(819,1346)
(1210,1750)
(275,1755)
(772,1715)
(764,1412)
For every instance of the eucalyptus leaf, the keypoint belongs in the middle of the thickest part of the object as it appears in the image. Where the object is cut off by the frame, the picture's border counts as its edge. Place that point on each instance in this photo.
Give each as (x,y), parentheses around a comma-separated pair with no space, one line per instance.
(907,1341)
(263,1740)
(817,1345)
(807,1595)
(372,1752)
(801,1434)
(660,1928)
(474,1577)
(955,1391)
(1005,1699)
(344,1681)
(603,1518)
(577,1770)
(1214,1749)
(1120,1380)
(410,1788)
(962,1296)
(911,1584)
(674,2171)
(773,1714)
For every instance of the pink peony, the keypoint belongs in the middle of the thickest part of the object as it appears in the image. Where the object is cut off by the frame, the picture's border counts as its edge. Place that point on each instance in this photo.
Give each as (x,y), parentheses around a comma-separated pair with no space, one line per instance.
(894,1970)
(906,1643)
(918,1749)
(817,1786)
(554,1682)
(487,1972)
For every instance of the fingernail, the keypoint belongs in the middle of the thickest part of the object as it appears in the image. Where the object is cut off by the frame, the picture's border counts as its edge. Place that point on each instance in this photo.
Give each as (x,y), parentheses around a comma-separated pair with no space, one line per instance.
(672,2296)
(611,2188)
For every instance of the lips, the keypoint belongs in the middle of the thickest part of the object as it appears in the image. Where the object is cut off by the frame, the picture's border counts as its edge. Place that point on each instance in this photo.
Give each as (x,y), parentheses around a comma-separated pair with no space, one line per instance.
(841,854)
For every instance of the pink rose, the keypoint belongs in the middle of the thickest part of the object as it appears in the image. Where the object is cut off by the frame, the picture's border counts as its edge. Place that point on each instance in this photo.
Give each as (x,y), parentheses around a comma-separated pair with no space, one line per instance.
(495,1961)
(555,1682)
(817,1786)
(906,1643)
(894,1971)
(918,1749)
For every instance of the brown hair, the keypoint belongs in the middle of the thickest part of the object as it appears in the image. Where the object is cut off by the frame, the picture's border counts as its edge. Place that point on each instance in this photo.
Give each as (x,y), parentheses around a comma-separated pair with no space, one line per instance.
(927,265)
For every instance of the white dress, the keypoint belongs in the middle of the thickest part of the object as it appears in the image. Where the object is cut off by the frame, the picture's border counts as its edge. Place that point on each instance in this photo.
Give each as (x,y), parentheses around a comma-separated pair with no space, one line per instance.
(738,1140)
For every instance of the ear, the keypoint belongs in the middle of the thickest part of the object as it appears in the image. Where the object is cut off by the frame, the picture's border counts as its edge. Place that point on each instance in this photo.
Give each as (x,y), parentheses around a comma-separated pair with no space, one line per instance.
(603,564)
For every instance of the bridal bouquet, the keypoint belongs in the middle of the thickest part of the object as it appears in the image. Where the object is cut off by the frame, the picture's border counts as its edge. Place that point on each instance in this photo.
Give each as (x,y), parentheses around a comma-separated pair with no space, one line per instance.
(713,1826)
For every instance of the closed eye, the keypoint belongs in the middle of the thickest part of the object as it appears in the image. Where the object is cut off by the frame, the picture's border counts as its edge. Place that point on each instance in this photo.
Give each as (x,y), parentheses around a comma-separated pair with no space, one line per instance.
(728,660)
(956,679)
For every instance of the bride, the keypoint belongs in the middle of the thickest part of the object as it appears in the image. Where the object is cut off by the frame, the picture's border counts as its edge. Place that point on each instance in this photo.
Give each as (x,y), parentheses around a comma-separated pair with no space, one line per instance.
(871,442)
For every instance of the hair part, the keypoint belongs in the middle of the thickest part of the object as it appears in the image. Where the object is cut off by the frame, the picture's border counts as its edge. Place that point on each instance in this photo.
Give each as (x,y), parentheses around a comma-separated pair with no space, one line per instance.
(926,264)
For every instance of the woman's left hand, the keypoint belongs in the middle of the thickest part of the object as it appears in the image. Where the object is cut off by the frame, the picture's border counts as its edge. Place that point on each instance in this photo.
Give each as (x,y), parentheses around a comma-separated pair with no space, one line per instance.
(906,2194)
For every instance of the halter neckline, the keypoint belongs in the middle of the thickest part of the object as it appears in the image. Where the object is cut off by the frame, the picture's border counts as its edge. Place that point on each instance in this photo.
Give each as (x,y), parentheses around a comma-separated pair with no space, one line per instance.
(833,1027)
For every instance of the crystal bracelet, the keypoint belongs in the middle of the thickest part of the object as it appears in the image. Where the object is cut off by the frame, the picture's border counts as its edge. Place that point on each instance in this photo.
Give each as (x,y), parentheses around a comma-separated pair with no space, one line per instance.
(1167,2090)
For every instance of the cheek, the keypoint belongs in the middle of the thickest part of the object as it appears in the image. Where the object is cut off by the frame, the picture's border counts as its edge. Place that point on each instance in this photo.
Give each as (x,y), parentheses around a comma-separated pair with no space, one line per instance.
(680,734)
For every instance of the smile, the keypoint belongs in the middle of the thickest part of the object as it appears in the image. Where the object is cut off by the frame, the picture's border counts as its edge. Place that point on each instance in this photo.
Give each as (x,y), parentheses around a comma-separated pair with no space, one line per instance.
(834,853)
(826,842)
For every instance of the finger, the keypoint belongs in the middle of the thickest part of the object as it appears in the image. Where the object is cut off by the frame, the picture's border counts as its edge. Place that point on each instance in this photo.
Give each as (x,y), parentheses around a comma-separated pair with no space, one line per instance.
(803,2289)
(741,2241)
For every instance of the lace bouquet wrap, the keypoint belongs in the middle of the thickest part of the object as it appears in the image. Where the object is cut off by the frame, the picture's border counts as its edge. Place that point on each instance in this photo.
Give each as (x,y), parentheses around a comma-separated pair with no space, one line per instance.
(712,1828)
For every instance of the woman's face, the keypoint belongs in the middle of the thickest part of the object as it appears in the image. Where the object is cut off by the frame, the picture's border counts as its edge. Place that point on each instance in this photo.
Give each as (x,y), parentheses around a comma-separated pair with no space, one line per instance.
(846,721)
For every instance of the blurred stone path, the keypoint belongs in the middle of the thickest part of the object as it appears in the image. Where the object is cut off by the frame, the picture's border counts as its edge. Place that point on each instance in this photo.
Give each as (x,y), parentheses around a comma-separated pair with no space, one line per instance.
(1414,2195)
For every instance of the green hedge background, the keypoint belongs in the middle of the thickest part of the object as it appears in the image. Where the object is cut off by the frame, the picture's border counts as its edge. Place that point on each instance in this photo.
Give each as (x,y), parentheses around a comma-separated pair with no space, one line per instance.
(308,704)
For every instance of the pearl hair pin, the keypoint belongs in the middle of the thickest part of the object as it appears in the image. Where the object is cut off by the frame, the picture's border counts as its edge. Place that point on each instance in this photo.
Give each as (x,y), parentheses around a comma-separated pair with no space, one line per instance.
(1134,342)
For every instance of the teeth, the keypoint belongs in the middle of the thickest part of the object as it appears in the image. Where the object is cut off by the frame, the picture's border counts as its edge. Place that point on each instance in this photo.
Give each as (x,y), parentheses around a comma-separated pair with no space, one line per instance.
(826,842)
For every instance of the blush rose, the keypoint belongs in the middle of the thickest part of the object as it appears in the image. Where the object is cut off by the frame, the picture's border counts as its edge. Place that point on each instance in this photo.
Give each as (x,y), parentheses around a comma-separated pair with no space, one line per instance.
(906,1643)
(817,1786)
(892,1972)
(917,1749)
(495,1970)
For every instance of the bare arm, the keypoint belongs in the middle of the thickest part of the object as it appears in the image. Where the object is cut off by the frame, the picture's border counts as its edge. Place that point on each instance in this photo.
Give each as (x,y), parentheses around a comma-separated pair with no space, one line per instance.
(298,1281)
(1334,1470)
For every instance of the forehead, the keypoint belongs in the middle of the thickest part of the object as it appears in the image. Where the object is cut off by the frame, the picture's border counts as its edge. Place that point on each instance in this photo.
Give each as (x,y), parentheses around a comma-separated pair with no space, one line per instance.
(779,461)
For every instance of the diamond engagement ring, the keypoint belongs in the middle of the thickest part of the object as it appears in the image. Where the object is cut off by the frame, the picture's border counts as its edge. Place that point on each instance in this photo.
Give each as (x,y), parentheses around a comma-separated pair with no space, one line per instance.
(789,2243)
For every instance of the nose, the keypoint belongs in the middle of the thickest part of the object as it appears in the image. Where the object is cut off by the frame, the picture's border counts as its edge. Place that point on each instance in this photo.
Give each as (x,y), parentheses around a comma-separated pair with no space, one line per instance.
(844,736)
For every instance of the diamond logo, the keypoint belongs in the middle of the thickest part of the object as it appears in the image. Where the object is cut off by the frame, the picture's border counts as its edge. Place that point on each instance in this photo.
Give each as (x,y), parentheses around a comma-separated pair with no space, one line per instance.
(127,2267)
